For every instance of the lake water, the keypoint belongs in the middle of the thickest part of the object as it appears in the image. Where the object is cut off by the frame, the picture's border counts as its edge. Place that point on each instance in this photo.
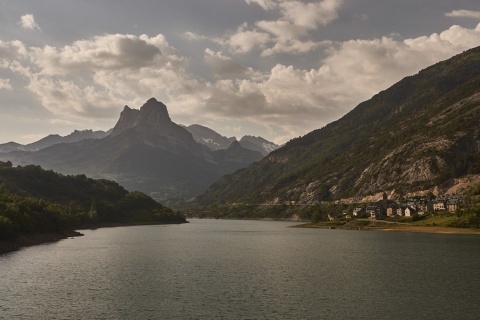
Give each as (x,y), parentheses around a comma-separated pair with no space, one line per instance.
(218,269)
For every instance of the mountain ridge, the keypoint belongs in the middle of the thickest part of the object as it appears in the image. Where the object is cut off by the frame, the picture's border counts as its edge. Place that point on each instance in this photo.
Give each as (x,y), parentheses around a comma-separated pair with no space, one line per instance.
(147,152)
(52,139)
(416,134)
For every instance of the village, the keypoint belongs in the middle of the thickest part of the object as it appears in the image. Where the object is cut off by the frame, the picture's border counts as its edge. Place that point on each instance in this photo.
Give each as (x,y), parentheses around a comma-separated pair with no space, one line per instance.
(386,208)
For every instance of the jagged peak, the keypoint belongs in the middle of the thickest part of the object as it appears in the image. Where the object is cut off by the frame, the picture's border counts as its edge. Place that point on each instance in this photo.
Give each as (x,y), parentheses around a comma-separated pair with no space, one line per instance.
(152,112)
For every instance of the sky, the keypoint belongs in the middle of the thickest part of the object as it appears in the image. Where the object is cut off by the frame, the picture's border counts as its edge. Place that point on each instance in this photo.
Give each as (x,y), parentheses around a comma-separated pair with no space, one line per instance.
(274,68)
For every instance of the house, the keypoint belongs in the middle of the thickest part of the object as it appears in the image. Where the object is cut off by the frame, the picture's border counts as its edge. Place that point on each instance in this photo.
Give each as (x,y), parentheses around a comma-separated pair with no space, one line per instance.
(358,211)
(452,205)
(409,211)
(373,212)
(439,205)
(384,204)
(391,212)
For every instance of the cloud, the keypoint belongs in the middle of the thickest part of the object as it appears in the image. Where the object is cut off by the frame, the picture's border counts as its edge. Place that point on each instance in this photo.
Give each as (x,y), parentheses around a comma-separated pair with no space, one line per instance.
(265,4)
(5,84)
(222,65)
(27,21)
(192,36)
(295,101)
(11,51)
(107,52)
(464,14)
(244,40)
(94,78)
(310,15)
(290,32)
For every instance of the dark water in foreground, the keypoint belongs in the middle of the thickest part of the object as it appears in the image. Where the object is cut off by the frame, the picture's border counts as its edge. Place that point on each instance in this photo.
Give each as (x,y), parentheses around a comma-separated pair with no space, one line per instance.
(215,269)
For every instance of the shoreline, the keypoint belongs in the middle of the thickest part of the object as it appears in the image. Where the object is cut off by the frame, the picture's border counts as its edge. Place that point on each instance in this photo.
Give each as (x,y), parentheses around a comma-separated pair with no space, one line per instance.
(393,227)
(17,243)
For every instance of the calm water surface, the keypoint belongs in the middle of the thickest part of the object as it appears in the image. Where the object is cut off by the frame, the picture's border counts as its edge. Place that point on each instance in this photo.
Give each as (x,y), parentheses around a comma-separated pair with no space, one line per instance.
(216,269)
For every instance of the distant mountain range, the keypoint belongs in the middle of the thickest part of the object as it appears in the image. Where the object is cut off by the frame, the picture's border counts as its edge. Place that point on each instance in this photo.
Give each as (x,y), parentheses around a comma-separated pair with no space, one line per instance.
(420,133)
(215,141)
(52,139)
(208,137)
(145,151)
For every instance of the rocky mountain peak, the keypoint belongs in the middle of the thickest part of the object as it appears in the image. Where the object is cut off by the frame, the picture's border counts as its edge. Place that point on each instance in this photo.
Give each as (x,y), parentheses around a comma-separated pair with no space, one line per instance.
(152,112)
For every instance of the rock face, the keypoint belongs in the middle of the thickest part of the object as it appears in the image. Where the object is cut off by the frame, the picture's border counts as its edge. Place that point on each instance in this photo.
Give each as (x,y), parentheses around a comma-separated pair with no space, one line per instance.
(414,136)
(145,151)
(152,113)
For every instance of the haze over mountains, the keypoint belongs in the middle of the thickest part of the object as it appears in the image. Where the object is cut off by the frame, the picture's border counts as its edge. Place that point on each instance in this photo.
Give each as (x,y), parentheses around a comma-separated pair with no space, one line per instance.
(145,151)
(418,134)
(52,139)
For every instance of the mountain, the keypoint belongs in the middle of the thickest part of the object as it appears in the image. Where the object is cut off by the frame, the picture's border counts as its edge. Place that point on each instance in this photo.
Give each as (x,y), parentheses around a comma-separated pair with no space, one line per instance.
(52,139)
(11,146)
(215,141)
(145,151)
(258,144)
(235,155)
(421,132)
(209,137)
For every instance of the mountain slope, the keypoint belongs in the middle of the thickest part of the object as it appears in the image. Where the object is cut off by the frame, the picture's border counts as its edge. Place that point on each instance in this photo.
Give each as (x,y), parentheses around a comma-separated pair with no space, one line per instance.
(416,134)
(209,137)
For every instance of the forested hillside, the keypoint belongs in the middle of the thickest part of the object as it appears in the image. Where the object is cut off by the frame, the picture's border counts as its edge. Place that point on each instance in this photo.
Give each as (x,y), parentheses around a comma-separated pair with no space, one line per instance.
(33,200)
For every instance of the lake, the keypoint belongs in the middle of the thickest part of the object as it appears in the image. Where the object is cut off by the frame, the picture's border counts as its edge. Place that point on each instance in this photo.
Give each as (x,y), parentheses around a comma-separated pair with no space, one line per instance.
(223,269)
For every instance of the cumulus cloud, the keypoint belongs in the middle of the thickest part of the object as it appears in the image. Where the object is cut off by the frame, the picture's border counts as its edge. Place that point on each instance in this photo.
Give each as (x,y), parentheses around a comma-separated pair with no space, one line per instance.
(92,77)
(96,77)
(5,84)
(290,32)
(296,100)
(245,40)
(310,15)
(27,21)
(107,52)
(464,14)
